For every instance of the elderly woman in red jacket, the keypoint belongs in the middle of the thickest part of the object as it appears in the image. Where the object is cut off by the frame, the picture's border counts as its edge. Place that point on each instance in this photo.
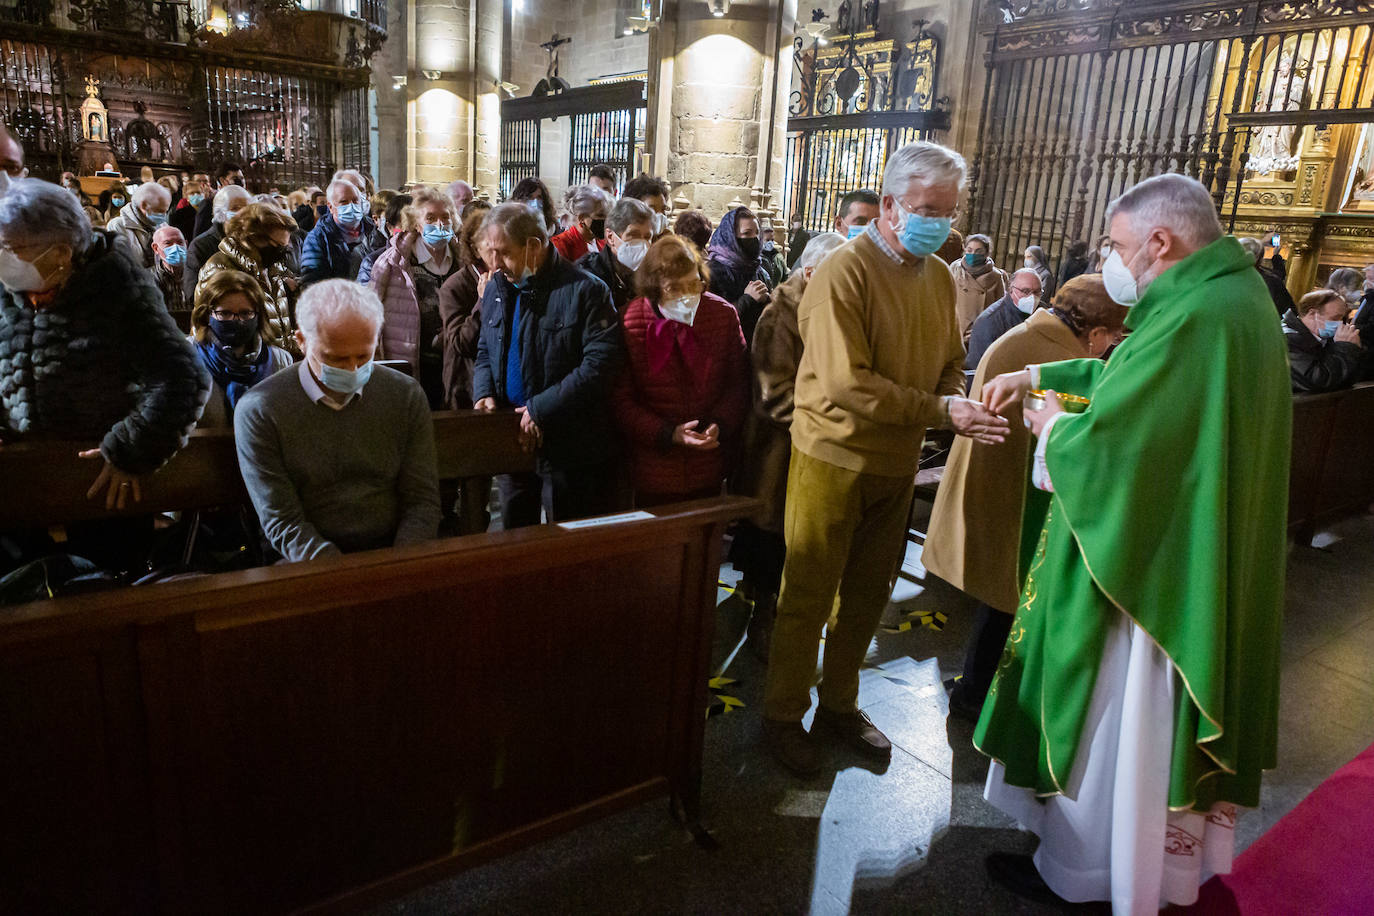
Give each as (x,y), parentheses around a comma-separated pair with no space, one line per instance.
(682,398)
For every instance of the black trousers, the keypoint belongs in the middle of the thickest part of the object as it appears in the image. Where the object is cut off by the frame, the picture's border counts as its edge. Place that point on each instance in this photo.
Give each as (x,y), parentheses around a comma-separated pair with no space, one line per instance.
(563,494)
(990,630)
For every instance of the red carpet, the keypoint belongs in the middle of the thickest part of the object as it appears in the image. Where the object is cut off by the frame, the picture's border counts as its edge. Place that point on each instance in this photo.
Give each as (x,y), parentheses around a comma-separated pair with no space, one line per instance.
(1318,860)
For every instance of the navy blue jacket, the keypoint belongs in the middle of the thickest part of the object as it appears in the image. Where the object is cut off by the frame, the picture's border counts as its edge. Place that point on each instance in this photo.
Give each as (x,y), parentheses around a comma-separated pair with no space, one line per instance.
(996,320)
(324,256)
(571,350)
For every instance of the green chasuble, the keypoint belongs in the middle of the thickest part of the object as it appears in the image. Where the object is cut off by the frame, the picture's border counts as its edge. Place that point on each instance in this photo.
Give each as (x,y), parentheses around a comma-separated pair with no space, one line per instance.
(1170,507)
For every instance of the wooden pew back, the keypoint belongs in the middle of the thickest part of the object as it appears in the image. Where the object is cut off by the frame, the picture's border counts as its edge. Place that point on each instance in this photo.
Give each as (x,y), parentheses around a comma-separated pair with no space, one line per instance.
(46,482)
(335,732)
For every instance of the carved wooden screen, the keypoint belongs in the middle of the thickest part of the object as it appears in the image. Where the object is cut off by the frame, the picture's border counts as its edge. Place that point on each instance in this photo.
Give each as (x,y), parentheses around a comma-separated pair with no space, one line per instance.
(1086,98)
(854,101)
(32,101)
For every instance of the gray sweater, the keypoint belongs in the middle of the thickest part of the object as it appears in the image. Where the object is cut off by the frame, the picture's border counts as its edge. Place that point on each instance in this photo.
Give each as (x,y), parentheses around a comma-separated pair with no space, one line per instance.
(327,481)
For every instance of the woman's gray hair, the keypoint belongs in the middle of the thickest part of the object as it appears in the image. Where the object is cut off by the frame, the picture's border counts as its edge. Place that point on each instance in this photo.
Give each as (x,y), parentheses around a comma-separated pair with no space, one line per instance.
(1170,201)
(817,250)
(225,198)
(922,163)
(1253,247)
(1345,280)
(586,200)
(145,192)
(516,222)
(34,212)
(978,237)
(329,300)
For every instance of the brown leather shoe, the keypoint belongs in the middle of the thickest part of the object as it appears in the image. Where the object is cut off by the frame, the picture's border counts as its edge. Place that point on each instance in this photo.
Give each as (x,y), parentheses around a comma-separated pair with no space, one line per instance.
(855,729)
(792,746)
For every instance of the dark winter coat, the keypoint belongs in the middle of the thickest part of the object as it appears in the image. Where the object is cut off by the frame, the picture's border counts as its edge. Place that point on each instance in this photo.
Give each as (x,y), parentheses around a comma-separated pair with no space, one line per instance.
(325,254)
(602,265)
(996,320)
(104,363)
(201,249)
(1319,365)
(571,350)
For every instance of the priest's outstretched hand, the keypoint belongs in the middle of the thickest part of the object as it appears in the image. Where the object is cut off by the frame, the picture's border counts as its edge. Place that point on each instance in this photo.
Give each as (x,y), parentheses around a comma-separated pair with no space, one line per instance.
(1005,390)
(969,418)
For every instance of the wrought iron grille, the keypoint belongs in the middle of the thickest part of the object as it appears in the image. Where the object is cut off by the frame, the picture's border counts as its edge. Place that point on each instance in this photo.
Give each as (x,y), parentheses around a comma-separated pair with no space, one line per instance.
(280,127)
(1226,93)
(854,101)
(608,138)
(519,152)
(355,129)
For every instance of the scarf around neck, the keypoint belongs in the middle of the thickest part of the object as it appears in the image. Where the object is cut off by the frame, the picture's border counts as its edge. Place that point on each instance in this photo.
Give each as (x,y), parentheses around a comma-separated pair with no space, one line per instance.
(234,373)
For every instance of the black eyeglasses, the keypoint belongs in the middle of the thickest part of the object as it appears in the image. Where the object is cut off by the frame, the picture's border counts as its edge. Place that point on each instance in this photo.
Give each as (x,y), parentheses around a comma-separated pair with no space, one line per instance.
(233,316)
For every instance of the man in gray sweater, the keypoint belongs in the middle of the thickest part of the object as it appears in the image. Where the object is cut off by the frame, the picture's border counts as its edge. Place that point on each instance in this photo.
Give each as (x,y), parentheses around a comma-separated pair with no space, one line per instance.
(331,467)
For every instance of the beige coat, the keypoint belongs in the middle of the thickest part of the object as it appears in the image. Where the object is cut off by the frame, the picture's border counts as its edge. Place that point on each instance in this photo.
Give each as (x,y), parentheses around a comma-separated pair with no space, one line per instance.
(973,294)
(775,353)
(975,529)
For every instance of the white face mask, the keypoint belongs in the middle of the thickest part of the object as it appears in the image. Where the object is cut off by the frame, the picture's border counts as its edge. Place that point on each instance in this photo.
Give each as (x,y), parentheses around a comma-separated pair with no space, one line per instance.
(1104,252)
(1120,282)
(683,309)
(632,253)
(660,223)
(1026,304)
(19,275)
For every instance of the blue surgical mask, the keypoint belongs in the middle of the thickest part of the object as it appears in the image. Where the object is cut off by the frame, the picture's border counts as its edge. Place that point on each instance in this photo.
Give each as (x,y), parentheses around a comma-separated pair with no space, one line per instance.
(922,235)
(116,201)
(175,255)
(1329,329)
(856,231)
(535,207)
(156,219)
(351,215)
(196,200)
(345,381)
(436,234)
(972,259)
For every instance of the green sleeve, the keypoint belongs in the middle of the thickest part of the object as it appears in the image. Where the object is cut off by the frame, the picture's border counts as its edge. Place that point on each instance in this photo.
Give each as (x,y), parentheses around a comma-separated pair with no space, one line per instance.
(1072,376)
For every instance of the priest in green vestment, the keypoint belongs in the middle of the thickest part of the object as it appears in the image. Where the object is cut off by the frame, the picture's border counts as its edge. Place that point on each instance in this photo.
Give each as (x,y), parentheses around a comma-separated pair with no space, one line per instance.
(1136,701)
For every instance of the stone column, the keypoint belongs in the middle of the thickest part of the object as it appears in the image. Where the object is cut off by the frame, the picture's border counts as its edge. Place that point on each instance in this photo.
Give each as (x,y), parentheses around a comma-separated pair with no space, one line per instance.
(715,96)
(441,108)
(488,25)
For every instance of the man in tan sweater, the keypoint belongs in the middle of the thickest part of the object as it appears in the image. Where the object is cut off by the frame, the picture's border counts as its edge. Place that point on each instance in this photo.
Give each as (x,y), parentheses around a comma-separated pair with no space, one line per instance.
(881,362)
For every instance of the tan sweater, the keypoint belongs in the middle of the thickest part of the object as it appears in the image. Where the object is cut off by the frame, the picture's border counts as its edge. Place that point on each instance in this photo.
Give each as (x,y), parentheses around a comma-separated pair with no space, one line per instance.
(880,350)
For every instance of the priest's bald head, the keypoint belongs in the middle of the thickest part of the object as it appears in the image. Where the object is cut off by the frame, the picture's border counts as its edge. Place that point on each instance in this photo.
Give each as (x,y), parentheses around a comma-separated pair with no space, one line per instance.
(1153,226)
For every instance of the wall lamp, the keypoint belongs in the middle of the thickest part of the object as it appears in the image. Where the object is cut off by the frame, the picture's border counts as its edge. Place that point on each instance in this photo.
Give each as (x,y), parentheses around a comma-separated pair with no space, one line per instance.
(718,7)
(432,74)
(398,82)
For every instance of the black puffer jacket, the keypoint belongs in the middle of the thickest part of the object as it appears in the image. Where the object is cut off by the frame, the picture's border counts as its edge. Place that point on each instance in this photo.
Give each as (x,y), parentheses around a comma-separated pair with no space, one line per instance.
(571,349)
(103,363)
(1318,365)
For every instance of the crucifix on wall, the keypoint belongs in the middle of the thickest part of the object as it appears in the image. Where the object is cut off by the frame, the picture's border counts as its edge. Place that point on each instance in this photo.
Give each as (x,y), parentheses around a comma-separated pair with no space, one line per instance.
(552,83)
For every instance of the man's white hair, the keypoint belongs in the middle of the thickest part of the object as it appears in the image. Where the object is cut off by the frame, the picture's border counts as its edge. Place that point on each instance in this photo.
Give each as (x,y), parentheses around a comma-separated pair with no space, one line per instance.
(337,188)
(226,197)
(922,163)
(325,302)
(1253,247)
(1029,272)
(459,185)
(152,194)
(1170,201)
(817,250)
(354,176)
(168,235)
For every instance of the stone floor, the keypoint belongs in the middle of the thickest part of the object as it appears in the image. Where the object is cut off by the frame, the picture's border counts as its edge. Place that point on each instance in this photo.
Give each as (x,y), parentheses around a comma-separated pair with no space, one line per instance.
(910,837)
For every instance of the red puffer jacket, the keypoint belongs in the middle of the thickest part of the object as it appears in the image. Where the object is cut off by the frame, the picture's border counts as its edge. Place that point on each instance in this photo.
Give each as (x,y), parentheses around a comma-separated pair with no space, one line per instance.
(677,373)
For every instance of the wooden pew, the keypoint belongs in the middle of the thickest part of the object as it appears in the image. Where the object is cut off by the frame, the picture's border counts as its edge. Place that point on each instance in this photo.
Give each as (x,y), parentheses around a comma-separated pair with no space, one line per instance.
(1343,483)
(1312,416)
(46,484)
(327,735)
